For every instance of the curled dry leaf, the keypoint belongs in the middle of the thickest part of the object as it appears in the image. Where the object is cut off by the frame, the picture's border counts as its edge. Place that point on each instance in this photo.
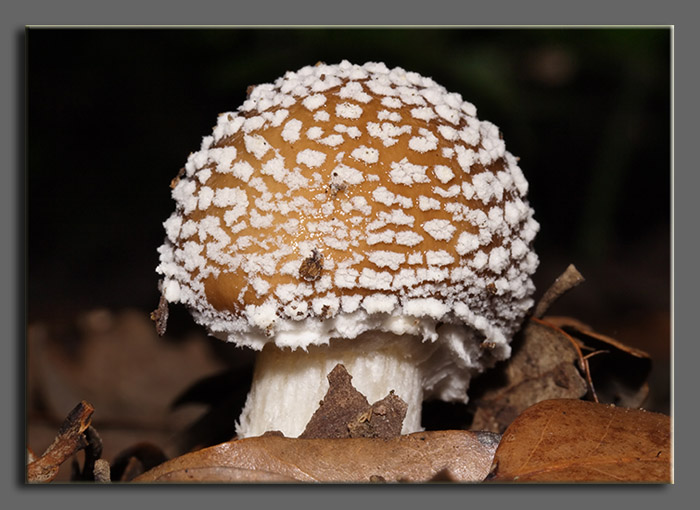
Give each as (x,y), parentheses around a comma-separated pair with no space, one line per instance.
(543,366)
(619,372)
(576,441)
(558,357)
(136,460)
(423,456)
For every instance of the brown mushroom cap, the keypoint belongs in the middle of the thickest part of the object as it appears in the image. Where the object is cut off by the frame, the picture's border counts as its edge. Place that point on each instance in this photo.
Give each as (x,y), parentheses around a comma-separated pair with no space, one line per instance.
(347,198)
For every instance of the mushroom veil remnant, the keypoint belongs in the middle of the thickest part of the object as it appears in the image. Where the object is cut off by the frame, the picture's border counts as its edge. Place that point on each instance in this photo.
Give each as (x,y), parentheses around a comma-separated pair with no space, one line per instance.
(352,214)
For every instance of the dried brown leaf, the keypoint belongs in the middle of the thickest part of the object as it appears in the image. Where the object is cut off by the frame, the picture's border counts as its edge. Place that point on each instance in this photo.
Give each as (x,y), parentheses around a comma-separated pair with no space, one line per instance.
(223,474)
(543,366)
(443,455)
(619,373)
(576,441)
(345,412)
(341,404)
(106,364)
(383,419)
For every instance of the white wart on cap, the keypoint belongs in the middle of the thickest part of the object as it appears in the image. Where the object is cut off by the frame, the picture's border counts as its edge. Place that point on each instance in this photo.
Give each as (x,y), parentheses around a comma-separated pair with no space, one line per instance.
(344,205)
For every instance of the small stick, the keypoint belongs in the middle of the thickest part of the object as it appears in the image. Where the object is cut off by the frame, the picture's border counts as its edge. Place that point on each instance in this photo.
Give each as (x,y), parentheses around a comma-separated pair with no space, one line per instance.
(594,353)
(93,452)
(69,440)
(101,471)
(569,279)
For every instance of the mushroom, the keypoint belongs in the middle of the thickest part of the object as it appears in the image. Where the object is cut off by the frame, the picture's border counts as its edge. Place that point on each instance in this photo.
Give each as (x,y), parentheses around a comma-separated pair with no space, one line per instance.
(352,214)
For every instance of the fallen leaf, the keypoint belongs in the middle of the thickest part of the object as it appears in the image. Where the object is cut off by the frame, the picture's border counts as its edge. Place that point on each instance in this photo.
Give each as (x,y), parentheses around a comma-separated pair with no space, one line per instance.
(345,412)
(383,419)
(223,474)
(577,441)
(619,373)
(558,357)
(341,405)
(543,366)
(420,457)
(105,366)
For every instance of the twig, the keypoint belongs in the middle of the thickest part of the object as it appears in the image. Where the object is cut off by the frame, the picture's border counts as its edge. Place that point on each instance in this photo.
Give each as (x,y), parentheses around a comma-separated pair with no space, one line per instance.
(101,472)
(93,452)
(69,440)
(594,353)
(569,279)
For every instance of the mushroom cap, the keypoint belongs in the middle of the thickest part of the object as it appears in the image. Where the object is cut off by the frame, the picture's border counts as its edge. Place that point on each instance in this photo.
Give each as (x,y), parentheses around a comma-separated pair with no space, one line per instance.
(342,199)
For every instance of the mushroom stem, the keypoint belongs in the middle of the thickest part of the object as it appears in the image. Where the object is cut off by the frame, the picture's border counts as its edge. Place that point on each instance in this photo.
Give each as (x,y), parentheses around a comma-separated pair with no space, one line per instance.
(289,384)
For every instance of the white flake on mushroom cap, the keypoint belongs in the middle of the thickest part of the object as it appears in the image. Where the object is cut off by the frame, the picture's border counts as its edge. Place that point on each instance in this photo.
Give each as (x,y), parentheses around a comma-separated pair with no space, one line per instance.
(358,215)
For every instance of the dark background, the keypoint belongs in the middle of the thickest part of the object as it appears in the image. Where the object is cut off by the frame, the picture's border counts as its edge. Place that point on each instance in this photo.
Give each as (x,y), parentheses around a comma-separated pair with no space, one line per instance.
(113,113)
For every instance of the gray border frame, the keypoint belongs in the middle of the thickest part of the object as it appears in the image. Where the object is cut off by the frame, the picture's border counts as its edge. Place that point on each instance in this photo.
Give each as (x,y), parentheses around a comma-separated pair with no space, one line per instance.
(18,14)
